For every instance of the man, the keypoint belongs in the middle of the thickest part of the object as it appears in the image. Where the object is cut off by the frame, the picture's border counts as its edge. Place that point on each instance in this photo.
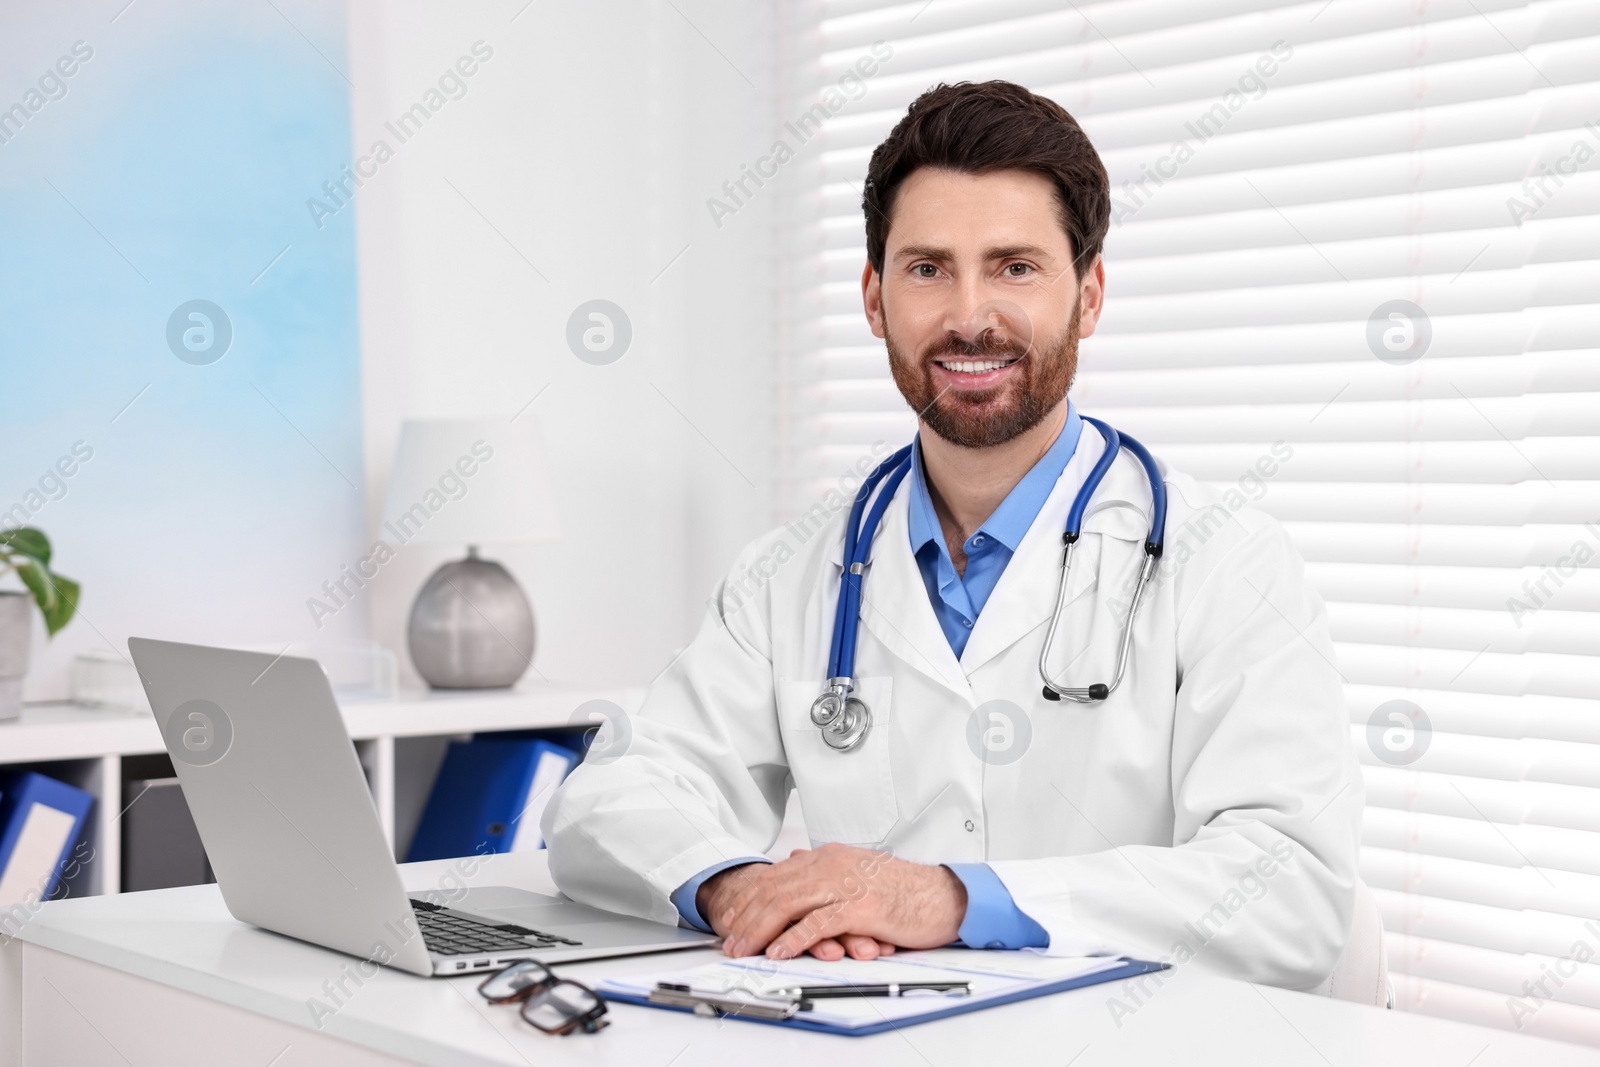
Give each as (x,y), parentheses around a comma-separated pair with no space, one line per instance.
(1208,809)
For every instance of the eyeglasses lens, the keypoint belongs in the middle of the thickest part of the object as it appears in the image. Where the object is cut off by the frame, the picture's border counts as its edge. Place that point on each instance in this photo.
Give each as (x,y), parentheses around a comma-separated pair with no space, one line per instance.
(511,983)
(561,1006)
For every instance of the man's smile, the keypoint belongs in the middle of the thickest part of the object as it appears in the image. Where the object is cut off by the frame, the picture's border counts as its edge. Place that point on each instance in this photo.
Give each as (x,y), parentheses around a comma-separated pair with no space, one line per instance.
(968,373)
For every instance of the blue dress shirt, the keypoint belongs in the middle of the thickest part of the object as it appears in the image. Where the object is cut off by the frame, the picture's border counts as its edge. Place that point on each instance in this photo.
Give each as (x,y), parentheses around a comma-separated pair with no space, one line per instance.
(958,598)
(993,919)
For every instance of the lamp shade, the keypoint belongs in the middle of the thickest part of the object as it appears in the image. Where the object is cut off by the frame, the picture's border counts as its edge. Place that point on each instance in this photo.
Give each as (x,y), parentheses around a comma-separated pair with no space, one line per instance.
(469,481)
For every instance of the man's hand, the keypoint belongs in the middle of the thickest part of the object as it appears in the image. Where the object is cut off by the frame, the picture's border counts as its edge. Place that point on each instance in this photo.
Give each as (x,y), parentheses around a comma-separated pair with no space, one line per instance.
(833,900)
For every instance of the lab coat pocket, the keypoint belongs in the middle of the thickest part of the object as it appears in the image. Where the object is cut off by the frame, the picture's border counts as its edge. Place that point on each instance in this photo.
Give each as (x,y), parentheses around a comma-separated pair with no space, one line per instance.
(849,796)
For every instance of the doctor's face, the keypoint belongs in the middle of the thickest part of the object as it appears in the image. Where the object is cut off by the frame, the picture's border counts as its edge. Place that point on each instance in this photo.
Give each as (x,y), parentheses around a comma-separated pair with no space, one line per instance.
(978,304)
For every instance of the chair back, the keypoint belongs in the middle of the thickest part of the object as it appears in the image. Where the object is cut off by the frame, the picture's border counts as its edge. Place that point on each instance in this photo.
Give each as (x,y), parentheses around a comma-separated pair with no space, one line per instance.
(1362,973)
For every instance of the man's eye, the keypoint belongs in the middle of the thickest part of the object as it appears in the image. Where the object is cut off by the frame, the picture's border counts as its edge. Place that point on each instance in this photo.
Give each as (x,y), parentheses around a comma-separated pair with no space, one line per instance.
(1018,270)
(925,270)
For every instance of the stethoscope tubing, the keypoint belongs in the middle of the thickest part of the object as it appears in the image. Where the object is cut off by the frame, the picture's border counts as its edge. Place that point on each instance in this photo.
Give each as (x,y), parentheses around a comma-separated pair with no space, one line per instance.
(1097,473)
(847,651)
(841,657)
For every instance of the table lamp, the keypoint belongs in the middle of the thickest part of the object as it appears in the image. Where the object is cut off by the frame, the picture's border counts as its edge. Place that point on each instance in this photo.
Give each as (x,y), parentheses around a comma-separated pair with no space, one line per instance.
(469,482)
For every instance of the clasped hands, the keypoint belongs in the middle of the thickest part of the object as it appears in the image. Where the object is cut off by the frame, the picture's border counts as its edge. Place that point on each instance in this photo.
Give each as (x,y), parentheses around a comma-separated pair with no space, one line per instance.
(833,901)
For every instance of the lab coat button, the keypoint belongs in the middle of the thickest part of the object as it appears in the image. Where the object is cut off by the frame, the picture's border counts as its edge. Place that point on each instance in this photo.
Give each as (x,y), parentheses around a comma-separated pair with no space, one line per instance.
(970,826)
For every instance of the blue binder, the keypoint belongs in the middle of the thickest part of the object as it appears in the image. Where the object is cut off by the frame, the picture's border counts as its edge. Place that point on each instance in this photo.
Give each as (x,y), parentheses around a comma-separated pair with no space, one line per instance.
(481,797)
(20,793)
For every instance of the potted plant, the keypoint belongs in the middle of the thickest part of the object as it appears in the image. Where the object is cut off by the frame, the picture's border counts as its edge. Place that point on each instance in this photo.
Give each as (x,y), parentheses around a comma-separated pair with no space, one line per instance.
(26,551)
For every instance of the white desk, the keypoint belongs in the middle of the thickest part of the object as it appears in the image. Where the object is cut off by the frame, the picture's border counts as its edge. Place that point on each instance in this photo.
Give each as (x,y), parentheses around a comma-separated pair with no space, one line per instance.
(170,978)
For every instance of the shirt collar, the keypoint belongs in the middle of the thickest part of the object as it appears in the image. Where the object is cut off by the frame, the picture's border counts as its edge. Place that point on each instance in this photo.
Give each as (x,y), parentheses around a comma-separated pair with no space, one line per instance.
(1015,515)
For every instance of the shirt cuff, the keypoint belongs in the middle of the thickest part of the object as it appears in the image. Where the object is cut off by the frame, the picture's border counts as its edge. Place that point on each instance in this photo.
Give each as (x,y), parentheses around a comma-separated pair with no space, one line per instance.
(993,919)
(683,896)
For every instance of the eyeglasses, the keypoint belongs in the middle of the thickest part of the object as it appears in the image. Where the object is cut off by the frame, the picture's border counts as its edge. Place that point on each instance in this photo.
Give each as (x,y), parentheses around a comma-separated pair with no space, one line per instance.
(554,1005)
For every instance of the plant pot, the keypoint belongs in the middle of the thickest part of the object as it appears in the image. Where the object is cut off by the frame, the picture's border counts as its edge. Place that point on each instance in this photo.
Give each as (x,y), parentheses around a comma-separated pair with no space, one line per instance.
(16,629)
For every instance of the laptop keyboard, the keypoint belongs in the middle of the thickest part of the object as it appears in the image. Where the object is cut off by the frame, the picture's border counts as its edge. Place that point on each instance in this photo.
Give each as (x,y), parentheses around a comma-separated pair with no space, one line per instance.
(451,934)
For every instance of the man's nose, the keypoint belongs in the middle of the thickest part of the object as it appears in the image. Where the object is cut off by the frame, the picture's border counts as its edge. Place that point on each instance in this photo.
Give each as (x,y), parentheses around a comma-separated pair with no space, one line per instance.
(967,316)
(986,321)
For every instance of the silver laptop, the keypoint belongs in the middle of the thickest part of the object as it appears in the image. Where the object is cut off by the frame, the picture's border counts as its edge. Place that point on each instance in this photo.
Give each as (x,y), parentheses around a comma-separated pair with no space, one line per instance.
(293,837)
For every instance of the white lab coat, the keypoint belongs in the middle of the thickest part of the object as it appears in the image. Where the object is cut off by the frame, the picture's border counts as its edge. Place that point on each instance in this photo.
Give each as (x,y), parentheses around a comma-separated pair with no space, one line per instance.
(1210,809)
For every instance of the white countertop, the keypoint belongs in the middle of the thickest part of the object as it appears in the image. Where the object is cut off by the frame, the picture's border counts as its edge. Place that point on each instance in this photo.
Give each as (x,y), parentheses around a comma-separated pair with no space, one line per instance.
(185,938)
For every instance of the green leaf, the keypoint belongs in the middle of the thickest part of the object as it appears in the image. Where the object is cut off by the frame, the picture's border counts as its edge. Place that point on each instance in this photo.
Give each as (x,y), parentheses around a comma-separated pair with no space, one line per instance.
(28,550)
(29,542)
(36,576)
(67,592)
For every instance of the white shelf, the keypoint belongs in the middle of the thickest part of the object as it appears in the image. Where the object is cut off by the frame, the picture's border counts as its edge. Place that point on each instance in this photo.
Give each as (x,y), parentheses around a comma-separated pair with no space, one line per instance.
(49,733)
(68,731)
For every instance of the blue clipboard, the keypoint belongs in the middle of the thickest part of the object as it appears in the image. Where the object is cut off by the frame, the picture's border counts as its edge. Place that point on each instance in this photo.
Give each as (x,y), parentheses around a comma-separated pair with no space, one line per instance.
(1129,969)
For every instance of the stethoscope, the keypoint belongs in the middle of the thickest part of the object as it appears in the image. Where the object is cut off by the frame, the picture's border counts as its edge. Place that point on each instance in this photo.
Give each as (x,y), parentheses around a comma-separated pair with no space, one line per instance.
(843,717)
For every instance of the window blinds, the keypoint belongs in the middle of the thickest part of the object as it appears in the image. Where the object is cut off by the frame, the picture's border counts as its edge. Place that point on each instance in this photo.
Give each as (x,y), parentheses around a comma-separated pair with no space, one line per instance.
(1369,230)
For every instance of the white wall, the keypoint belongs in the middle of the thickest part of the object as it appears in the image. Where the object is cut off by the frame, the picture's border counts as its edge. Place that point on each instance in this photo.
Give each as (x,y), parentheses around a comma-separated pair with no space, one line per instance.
(590,141)
(194,500)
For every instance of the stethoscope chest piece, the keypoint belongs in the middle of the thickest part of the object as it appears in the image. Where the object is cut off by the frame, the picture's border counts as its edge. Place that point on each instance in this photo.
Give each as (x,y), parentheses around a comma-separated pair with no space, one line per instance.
(843,719)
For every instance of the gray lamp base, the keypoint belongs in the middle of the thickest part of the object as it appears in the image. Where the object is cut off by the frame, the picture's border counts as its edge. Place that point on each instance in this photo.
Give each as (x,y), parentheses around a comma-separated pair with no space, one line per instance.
(471,627)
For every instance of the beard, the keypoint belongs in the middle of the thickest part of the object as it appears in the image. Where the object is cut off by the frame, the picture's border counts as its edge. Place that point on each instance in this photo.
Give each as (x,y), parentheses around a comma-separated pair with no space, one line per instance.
(983,418)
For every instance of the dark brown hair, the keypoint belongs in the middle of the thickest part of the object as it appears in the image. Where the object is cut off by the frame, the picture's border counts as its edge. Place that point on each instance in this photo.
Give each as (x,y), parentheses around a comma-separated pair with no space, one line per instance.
(985,127)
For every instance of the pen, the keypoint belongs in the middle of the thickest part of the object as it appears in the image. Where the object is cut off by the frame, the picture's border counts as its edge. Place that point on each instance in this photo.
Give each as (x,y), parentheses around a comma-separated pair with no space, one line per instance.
(875,989)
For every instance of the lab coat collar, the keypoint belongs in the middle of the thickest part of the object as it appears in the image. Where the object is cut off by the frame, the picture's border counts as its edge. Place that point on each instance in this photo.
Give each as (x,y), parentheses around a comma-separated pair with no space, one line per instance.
(895,606)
